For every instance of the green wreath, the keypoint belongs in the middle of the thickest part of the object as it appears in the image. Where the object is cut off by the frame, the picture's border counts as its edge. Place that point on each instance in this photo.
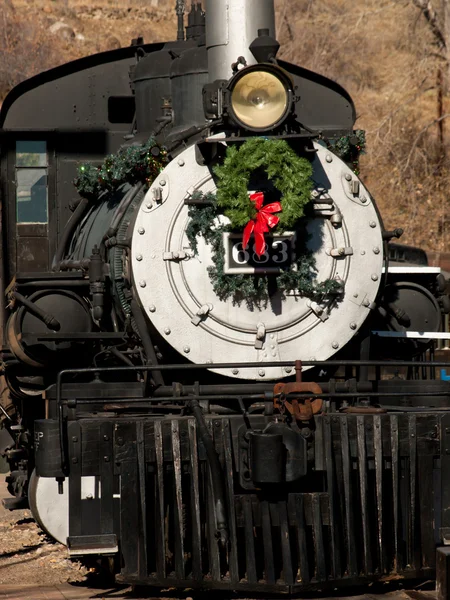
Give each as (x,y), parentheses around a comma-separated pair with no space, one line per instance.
(291,174)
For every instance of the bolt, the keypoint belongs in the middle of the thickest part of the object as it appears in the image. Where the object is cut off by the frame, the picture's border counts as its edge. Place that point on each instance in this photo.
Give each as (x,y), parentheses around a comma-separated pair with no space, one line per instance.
(141,231)
(216,423)
(142,283)
(186,349)
(106,458)
(261,373)
(329,158)
(148,205)
(374,277)
(152,308)
(181,162)
(74,460)
(162,182)
(139,257)
(288,369)
(106,438)
(366,303)
(235,371)
(355,295)
(363,199)
(335,345)
(167,330)
(447,451)
(376,250)
(348,177)
(74,438)
(353,325)
(373,224)
(209,362)
(89,497)
(120,441)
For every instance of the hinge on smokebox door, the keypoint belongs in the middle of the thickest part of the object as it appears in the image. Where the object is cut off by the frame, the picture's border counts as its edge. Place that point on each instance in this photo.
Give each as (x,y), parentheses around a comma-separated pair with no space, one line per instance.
(180,255)
(301,409)
(260,336)
(201,314)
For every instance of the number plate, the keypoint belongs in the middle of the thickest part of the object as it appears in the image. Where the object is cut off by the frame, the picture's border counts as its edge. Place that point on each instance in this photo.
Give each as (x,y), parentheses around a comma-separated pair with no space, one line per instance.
(279,254)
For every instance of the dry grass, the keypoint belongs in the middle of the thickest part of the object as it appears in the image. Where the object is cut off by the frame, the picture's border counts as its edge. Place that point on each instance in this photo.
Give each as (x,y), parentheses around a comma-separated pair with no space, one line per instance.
(380,50)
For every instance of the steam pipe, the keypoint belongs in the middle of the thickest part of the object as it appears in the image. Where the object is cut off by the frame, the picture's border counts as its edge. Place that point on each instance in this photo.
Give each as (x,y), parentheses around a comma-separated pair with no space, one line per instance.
(70,227)
(231,26)
(47,318)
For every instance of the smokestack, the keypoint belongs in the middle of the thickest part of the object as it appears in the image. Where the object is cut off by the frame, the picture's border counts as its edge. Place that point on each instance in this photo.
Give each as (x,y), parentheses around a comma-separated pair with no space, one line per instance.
(231,26)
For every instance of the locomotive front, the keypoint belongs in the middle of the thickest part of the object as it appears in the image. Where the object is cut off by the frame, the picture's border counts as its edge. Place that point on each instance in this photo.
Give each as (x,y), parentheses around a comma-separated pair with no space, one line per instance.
(212,340)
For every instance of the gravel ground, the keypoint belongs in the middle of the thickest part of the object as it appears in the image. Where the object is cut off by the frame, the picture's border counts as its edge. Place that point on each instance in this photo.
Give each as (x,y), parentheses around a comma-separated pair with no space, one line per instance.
(27,555)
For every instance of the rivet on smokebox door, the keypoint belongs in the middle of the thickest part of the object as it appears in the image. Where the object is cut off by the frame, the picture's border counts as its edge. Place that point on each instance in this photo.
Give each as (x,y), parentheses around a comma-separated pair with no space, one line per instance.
(374,277)
(353,325)
(329,158)
(162,182)
(139,257)
(186,349)
(142,283)
(261,373)
(181,162)
(235,371)
(335,345)
(152,308)
(167,330)
(141,231)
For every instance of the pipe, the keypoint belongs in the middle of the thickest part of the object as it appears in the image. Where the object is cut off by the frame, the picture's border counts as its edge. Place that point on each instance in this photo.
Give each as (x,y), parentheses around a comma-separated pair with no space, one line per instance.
(37,312)
(146,341)
(216,471)
(231,26)
(57,283)
(122,209)
(121,356)
(70,227)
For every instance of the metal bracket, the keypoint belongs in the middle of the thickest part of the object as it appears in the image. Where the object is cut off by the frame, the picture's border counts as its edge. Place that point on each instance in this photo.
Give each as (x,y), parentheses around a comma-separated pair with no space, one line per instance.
(444,534)
(201,314)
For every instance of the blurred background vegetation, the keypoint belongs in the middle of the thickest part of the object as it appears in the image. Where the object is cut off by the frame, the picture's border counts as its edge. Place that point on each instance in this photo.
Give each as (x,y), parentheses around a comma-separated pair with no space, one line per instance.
(391,55)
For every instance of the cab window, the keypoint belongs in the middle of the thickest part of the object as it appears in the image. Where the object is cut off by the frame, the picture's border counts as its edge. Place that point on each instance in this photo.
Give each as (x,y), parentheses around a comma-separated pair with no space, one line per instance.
(31,182)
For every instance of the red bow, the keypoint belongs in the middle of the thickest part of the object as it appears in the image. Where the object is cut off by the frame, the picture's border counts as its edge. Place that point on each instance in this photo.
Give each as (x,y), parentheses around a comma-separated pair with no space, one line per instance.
(265,220)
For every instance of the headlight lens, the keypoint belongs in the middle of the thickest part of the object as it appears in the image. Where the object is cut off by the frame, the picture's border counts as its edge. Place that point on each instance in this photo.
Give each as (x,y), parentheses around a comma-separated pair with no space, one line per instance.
(259,99)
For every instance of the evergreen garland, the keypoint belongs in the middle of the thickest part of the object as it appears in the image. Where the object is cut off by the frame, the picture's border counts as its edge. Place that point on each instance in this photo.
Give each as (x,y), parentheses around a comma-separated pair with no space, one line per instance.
(299,277)
(349,148)
(131,165)
(290,173)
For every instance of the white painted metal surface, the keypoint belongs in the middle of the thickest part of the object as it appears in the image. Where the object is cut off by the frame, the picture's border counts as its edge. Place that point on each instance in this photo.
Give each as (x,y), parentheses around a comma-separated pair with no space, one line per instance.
(413,270)
(414,335)
(172,292)
(51,510)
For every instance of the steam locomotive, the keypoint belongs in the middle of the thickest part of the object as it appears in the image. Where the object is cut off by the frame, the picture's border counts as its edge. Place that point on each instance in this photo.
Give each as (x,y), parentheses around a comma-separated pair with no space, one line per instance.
(190,433)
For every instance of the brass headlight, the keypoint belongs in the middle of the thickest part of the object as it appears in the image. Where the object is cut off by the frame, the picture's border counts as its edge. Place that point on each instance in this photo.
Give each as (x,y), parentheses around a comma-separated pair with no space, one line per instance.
(260,97)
